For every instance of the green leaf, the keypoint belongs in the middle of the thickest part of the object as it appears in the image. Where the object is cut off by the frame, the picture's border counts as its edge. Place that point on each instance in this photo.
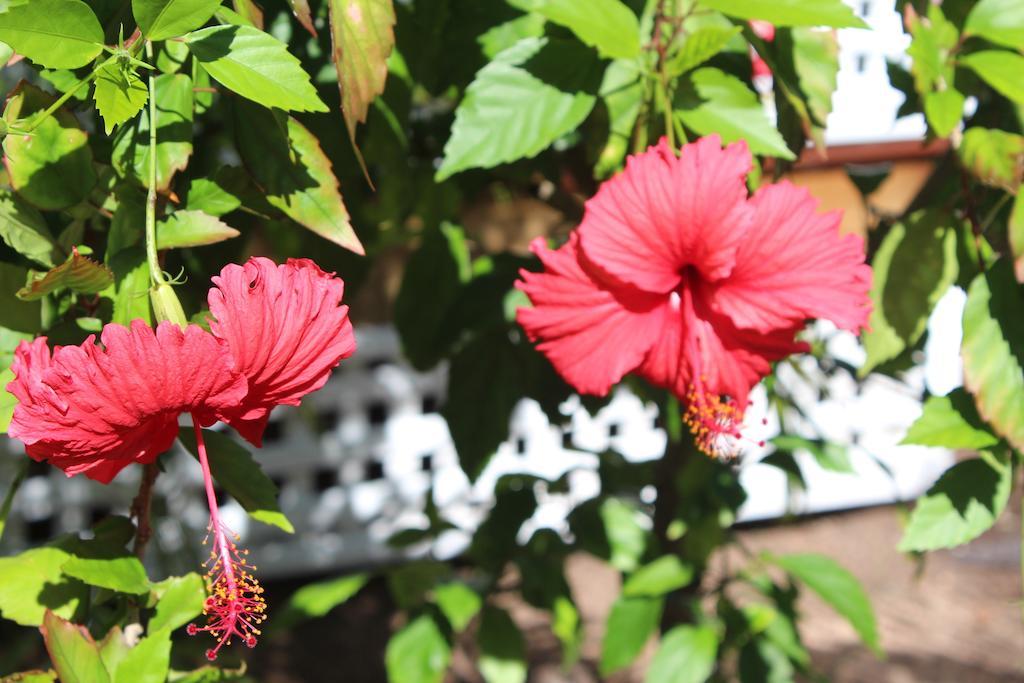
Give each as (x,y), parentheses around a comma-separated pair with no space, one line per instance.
(255,65)
(148,661)
(816,62)
(210,197)
(526,98)
(622,93)
(934,41)
(832,13)
(108,569)
(163,19)
(15,314)
(663,575)
(418,653)
(950,421)
(993,342)
(502,650)
(699,47)
(410,583)
(5,419)
(488,376)
(191,229)
(995,157)
(626,537)
(120,94)
(762,661)
(686,655)
(829,455)
(963,504)
(171,56)
(317,599)
(607,25)
(24,230)
(78,273)
(32,582)
(174,104)
(51,168)
(72,650)
(1000,21)
(34,676)
(131,286)
(362,37)
(711,101)
(631,623)
(505,35)
(1001,69)
(235,470)
(836,586)
(914,266)
(57,34)
(458,602)
(288,163)
(179,600)
(1015,230)
(440,266)
(944,109)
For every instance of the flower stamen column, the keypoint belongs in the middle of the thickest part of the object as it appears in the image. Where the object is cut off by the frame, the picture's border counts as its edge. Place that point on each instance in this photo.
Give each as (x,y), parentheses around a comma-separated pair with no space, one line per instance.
(235,605)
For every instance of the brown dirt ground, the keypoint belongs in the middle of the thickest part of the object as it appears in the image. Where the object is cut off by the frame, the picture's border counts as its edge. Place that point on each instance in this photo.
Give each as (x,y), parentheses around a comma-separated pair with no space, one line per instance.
(954,618)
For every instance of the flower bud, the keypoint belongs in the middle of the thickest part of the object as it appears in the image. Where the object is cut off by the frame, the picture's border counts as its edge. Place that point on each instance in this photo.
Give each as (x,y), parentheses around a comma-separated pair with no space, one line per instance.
(166,305)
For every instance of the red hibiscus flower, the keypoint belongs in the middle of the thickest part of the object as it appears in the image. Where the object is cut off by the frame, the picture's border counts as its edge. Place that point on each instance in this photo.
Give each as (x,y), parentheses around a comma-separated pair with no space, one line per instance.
(677,275)
(279,330)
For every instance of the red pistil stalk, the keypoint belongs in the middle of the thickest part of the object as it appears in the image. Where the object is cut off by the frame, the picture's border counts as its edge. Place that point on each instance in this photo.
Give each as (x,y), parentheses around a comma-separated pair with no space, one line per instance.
(235,605)
(715,423)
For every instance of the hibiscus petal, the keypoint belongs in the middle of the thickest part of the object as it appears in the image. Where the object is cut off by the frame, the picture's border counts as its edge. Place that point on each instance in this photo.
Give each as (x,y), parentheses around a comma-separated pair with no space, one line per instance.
(94,411)
(663,213)
(592,334)
(793,265)
(700,348)
(286,330)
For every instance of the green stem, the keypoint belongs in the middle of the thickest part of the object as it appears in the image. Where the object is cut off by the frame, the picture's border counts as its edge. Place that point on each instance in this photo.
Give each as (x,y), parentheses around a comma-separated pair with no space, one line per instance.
(156,273)
(666,109)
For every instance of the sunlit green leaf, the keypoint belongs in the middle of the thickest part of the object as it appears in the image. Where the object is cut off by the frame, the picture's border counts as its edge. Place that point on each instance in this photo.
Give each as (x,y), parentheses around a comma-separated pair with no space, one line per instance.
(108,569)
(317,599)
(631,623)
(836,586)
(458,602)
(526,98)
(832,13)
(188,228)
(119,95)
(993,342)
(712,101)
(72,651)
(663,575)
(1001,21)
(163,19)
(607,25)
(210,197)
(32,582)
(131,286)
(700,46)
(622,94)
(831,456)
(950,421)
(179,600)
(686,655)
(963,504)
(288,163)
(148,661)
(418,653)
(1001,69)
(53,167)
(57,34)
(255,65)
